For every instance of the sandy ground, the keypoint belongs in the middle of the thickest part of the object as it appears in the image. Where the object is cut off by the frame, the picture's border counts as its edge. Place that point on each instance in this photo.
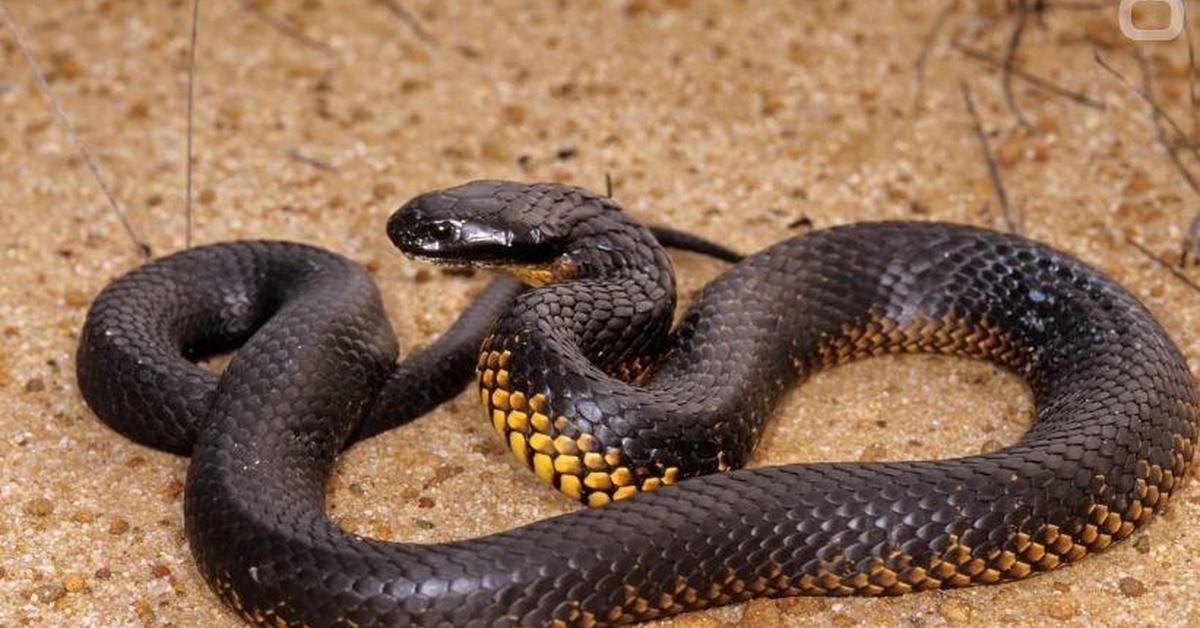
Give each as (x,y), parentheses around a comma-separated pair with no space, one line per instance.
(734,120)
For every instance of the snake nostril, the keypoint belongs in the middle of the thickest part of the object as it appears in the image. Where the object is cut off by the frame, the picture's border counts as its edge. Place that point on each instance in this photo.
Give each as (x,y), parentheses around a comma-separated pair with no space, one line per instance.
(400,225)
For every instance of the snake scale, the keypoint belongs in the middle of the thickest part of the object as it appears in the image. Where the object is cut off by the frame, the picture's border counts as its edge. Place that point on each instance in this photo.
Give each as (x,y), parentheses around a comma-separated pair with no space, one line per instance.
(590,384)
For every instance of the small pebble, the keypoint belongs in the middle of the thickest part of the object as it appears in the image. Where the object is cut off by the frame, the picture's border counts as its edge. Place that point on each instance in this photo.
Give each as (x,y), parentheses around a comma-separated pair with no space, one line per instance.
(1131,587)
(990,445)
(873,452)
(383,191)
(761,612)
(48,593)
(103,573)
(118,526)
(139,110)
(803,606)
(35,385)
(441,474)
(424,524)
(144,611)
(697,620)
(1062,607)
(843,620)
(515,114)
(75,298)
(159,570)
(494,149)
(425,502)
(955,612)
(74,583)
(172,490)
(83,515)
(1142,544)
(64,65)
(800,222)
(39,507)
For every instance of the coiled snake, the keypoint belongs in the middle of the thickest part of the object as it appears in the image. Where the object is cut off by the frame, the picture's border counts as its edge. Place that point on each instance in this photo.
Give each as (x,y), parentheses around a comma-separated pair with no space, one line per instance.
(589,384)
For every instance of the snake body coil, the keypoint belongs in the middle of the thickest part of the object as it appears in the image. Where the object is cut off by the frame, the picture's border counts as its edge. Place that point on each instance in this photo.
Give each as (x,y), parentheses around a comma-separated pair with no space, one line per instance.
(590,387)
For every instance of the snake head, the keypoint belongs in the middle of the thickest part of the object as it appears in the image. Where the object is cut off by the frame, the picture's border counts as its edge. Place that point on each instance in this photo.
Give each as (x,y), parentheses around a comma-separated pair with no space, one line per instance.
(525,229)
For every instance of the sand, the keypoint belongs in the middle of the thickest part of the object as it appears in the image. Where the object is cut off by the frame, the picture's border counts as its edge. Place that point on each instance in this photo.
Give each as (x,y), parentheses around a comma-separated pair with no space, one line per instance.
(734,120)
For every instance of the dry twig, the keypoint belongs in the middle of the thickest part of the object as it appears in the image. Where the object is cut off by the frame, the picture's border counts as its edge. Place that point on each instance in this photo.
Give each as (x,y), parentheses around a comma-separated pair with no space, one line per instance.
(1192,98)
(1032,79)
(285,28)
(1146,93)
(927,47)
(1162,262)
(1146,97)
(1010,59)
(404,15)
(300,157)
(1191,243)
(1160,132)
(191,101)
(59,113)
(992,167)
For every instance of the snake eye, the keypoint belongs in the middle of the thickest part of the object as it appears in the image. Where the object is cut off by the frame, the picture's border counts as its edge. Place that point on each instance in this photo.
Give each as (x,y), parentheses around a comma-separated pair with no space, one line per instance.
(438,231)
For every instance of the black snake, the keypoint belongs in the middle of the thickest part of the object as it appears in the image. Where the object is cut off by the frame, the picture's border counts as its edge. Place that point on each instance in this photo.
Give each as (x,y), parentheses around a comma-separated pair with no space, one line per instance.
(589,383)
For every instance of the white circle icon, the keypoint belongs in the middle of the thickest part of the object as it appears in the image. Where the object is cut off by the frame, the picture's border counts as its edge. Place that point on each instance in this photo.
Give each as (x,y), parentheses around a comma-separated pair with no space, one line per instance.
(1172,30)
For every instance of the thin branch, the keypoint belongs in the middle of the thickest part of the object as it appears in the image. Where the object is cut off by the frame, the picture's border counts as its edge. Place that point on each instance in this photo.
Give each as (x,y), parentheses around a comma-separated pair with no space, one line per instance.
(1010,59)
(1172,152)
(992,166)
(1146,93)
(191,99)
(296,155)
(285,28)
(1078,6)
(1187,33)
(59,113)
(404,15)
(927,47)
(1032,79)
(608,184)
(1160,132)
(1148,99)
(1191,242)
(1162,262)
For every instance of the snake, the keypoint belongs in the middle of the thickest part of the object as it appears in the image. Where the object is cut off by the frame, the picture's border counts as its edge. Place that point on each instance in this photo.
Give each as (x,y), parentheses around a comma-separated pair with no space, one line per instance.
(587,375)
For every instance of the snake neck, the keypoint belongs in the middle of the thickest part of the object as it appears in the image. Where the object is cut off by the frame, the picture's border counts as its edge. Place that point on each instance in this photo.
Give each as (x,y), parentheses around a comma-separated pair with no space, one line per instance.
(607,302)
(596,333)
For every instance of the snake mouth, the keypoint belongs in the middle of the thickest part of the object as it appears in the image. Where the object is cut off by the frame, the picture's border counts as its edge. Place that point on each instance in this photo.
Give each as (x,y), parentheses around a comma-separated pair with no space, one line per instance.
(448,241)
